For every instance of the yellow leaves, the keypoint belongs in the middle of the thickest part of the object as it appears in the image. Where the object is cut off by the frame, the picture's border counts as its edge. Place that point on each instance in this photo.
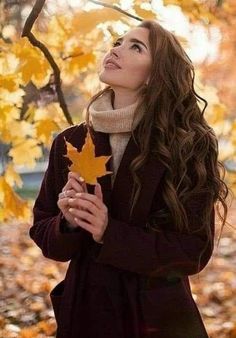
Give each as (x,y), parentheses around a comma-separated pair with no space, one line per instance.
(11,205)
(219,112)
(8,60)
(35,70)
(12,177)
(59,31)
(20,129)
(9,82)
(144,11)
(216,110)
(9,89)
(52,111)
(77,60)
(85,163)
(234,133)
(33,65)
(26,152)
(85,22)
(42,328)
(195,9)
(44,130)
(8,113)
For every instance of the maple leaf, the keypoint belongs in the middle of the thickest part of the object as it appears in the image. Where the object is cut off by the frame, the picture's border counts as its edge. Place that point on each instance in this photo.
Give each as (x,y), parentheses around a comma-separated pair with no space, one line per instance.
(12,205)
(9,82)
(85,162)
(44,129)
(12,177)
(25,152)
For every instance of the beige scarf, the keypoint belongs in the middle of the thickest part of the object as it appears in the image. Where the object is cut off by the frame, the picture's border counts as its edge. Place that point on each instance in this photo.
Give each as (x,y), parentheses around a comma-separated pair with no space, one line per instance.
(116,122)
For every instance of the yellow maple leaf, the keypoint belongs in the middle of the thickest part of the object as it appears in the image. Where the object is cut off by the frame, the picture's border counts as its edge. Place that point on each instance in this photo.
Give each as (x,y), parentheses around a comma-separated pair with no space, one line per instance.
(9,82)
(85,163)
(33,66)
(11,205)
(44,129)
(12,177)
(25,152)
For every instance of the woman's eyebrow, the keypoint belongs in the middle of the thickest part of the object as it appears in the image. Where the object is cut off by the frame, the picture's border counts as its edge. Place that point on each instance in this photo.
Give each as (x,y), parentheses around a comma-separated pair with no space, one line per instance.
(133,40)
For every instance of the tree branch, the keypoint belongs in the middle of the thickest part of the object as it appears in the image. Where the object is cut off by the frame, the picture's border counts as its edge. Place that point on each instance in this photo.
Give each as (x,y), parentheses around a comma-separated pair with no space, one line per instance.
(72,56)
(56,71)
(219,3)
(116,8)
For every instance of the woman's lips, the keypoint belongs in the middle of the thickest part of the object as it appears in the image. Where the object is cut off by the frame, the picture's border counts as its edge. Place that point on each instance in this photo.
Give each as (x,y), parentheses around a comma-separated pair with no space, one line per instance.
(111,65)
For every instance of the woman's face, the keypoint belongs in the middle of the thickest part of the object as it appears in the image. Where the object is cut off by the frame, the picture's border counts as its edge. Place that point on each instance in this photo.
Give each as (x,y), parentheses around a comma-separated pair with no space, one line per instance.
(128,63)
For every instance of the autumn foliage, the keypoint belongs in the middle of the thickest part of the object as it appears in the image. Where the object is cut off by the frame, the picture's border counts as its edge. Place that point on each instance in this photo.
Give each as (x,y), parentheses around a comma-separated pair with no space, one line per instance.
(41,94)
(45,88)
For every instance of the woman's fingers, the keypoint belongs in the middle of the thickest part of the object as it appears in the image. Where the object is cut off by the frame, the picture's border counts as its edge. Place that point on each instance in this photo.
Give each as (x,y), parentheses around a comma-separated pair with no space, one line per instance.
(67,194)
(84,186)
(98,191)
(63,199)
(73,184)
(74,175)
(79,203)
(92,198)
(82,214)
(75,181)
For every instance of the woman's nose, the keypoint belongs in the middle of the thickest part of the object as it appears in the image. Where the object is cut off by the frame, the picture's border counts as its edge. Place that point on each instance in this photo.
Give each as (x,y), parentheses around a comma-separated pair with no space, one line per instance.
(115,51)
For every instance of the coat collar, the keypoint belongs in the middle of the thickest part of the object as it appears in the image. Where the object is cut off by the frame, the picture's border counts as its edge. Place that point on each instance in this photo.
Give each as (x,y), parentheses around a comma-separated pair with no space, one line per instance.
(118,198)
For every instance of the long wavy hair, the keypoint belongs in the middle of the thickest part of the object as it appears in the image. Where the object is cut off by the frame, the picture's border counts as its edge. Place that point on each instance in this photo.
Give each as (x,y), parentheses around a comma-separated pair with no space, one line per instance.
(173,129)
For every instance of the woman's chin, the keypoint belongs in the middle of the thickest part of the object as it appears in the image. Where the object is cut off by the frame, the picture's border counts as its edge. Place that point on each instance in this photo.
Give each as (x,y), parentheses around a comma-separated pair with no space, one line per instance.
(107,82)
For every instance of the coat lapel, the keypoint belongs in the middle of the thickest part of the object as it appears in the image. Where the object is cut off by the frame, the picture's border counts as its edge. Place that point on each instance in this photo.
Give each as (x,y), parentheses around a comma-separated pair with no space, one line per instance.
(150,175)
(118,198)
(102,148)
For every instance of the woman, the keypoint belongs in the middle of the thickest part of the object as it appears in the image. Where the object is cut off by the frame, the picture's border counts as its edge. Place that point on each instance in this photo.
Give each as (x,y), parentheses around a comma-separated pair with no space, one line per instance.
(133,241)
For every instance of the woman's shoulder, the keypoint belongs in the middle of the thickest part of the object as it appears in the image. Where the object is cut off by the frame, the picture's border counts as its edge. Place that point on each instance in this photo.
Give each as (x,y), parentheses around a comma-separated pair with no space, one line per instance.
(74,134)
(73,131)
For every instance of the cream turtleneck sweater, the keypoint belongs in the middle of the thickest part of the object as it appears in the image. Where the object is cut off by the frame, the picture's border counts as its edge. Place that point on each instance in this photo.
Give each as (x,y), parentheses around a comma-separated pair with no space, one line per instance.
(116,122)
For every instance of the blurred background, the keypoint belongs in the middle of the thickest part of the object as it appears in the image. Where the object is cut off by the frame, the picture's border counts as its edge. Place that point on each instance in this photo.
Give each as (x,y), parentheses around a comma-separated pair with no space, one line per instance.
(75,35)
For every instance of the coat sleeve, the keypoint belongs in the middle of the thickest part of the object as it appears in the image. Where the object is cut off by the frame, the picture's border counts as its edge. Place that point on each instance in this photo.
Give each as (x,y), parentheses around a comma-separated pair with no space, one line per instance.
(166,253)
(49,230)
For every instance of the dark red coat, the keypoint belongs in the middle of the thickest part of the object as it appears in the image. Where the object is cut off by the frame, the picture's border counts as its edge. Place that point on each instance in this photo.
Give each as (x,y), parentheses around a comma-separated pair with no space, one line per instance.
(105,293)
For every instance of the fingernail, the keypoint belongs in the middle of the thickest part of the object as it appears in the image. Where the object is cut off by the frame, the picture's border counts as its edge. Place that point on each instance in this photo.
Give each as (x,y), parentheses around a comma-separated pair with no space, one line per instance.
(81,179)
(71,210)
(78,194)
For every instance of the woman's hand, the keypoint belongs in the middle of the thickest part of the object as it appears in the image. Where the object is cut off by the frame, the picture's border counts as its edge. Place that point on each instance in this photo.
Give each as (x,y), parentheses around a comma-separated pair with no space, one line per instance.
(90,213)
(75,184)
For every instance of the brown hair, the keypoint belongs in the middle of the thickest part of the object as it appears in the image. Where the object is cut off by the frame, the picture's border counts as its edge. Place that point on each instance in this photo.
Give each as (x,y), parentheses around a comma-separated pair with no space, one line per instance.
(174,130)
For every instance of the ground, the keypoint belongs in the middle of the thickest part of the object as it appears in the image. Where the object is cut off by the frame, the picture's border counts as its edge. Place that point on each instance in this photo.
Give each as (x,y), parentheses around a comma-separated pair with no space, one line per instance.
(27,278)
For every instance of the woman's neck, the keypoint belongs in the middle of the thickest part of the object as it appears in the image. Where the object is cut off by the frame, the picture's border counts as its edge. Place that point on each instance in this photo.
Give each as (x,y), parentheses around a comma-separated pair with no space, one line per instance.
(122,98)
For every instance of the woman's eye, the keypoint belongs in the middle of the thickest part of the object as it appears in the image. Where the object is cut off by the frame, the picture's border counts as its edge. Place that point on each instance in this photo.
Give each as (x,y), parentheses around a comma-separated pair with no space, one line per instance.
(114,44)
(137,47)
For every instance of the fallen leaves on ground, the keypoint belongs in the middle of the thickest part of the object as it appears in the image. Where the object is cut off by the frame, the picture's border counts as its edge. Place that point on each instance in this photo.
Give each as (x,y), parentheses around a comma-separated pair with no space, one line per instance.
(27,278)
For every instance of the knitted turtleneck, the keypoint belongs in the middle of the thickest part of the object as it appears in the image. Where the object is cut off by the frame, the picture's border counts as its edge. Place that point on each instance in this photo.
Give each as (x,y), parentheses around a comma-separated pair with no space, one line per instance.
(116,122)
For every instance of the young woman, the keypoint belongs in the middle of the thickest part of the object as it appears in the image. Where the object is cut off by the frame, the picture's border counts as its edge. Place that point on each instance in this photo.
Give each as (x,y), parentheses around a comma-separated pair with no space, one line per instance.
(133,240)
